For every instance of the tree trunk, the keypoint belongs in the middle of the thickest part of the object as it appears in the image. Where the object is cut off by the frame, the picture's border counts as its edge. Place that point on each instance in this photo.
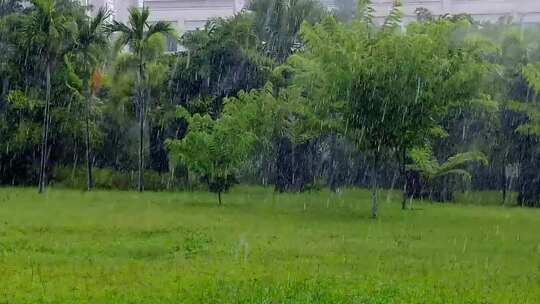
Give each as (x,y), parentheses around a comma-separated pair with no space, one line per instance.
(404,176)
(5,89)
(141,126)
(504,185)
(374,186)
(332,174)
(219,198)
(45,138)
(87,96)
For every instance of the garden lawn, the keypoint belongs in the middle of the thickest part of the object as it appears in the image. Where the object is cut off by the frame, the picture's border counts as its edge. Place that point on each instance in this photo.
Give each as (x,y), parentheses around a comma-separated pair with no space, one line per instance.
(260,247)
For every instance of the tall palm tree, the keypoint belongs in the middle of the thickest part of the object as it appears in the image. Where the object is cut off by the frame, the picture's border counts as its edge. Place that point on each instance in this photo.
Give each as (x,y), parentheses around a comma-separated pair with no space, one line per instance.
(91,41)
(136,34)
(46,29)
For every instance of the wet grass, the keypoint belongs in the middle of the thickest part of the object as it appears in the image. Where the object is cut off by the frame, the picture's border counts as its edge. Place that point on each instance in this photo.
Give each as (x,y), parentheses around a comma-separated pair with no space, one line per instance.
(124,247)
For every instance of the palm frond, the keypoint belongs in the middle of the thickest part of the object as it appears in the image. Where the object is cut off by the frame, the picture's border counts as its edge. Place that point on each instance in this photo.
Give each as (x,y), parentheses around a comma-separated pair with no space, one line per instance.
(462,159)
(159,28)
(99,22)
(394,19)
(425,163)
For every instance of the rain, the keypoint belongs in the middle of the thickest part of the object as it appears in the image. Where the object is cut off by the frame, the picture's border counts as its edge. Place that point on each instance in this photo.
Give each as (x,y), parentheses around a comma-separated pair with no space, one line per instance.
(269,151)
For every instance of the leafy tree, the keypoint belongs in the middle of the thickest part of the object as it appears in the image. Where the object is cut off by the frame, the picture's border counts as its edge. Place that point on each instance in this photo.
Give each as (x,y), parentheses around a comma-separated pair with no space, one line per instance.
(530,130)
(277,23)
(221,60)
(510,50)
(295,135)
(390,88)
(215,149)
(137,34)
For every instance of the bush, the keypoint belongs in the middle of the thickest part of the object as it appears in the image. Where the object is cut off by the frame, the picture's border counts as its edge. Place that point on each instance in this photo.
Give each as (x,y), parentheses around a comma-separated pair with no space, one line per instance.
(107,179)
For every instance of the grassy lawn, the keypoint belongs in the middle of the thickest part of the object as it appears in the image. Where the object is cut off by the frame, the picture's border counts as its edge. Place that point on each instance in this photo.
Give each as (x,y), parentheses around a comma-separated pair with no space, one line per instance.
(124,247)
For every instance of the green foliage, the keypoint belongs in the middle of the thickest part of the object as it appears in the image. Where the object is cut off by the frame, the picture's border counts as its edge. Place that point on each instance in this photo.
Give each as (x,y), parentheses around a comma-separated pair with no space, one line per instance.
(221,60)
(19,129)
(337,88)
(214,149)
(390,89)
(425,163)
(532,75)
(531,72)
(532,127)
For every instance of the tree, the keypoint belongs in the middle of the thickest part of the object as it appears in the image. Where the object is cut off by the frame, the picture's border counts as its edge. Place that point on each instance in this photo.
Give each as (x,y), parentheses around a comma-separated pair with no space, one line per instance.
(214,149)
(91,41)
(530,129)
(390,88)
(277,23)
(137,34)
(221,60)
(49,30)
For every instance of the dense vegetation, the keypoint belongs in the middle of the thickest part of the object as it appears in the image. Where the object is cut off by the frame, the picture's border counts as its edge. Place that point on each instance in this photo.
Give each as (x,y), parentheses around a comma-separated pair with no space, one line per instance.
(281,113)
(284,94)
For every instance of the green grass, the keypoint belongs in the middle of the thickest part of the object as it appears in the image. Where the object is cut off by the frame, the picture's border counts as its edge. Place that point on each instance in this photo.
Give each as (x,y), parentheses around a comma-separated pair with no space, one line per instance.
(123,247)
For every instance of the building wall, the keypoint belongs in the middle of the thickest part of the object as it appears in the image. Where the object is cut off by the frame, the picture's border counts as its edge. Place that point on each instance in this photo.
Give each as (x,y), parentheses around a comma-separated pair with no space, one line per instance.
(522,11)
(188,15)
(119,8)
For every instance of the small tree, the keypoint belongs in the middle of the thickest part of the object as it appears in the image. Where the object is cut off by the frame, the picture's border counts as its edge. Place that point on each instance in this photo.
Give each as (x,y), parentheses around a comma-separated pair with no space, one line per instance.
(215,149)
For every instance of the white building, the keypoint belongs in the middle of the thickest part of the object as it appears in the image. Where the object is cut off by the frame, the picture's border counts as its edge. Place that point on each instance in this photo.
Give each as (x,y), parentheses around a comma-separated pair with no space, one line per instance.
(186,15)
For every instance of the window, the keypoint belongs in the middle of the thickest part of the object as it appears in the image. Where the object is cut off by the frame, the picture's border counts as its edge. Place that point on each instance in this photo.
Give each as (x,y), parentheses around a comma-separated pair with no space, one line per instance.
(193,25)
(171,44)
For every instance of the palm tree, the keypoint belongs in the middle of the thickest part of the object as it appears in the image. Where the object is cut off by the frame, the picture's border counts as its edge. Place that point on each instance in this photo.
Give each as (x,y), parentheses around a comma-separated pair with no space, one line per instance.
(431,171)
(136,34)
(92,39)
(47,29)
